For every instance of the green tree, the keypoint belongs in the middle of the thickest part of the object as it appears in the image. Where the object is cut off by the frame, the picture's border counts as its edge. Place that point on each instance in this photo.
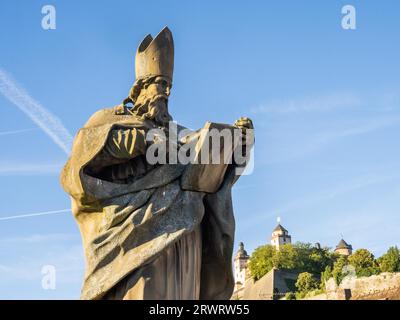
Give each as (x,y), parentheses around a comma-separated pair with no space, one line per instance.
(390,261)
(337,274)
(287,258)
(299,256)
(306,283)
(325,276)
(318,260)
(364,263)
(290,296)
(260,262)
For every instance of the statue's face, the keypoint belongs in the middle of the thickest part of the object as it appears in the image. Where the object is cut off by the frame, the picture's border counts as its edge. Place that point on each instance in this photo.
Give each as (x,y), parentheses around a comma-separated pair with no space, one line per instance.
(154,96)
(159,86)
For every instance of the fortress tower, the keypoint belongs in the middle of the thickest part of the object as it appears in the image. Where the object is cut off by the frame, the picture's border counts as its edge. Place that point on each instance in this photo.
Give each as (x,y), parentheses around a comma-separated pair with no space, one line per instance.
(343,248)
(240,265)
(280,236)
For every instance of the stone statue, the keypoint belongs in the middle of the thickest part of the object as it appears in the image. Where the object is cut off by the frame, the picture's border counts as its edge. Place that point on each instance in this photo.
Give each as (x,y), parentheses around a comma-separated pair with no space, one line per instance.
(145,236)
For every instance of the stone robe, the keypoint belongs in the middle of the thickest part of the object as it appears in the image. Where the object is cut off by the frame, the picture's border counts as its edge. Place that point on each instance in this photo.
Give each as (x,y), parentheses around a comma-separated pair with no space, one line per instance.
(144,237)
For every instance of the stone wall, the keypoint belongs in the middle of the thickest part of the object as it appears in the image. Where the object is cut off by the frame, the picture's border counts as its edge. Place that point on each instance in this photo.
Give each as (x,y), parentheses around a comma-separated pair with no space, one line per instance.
(274,285)
(382,286)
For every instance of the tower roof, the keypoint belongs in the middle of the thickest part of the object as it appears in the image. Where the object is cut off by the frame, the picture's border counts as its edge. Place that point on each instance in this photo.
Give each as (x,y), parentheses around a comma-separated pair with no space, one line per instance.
(241,252)
(279,228)
(343,245)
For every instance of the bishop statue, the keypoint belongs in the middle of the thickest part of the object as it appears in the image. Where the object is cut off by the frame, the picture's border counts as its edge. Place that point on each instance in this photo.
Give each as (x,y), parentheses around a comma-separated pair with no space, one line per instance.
(150,230)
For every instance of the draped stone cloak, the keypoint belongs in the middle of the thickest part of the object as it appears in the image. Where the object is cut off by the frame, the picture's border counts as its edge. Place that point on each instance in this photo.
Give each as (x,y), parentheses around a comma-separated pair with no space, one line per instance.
(125,226)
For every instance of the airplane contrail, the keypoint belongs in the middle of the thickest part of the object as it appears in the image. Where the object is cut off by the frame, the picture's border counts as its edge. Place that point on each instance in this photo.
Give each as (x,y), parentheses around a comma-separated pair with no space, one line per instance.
(5,133)
(34,214)
(48,122)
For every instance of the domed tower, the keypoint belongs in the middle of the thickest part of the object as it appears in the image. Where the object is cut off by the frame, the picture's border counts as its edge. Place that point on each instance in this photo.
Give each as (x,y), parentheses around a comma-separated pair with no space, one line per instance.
(343,248)
(280,236)
(240,265)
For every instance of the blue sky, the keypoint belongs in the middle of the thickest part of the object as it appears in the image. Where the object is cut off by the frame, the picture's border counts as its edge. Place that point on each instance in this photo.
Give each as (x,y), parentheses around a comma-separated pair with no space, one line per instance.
(325,104)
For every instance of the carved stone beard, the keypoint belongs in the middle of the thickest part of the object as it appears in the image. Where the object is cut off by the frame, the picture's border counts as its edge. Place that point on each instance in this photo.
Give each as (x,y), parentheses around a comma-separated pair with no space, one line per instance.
(155,109)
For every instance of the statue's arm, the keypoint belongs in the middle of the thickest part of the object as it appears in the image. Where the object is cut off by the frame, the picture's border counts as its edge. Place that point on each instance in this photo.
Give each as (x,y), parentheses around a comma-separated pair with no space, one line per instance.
(121,145)
(125,143)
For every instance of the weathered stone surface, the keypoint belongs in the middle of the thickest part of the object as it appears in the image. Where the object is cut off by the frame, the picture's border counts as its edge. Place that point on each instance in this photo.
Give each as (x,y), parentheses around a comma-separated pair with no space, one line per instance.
(144,236)
(382,286)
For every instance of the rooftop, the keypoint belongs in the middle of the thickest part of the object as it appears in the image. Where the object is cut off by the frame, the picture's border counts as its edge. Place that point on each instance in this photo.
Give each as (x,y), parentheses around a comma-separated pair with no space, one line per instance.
(241,252)
(280,228)
(343,245)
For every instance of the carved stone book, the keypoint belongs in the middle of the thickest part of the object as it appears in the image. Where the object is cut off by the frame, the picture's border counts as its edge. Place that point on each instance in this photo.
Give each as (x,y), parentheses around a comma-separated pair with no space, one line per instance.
(213,153)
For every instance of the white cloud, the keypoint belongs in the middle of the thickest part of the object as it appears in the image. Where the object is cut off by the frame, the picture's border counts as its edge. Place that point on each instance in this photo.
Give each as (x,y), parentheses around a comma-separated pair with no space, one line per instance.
(312,104)
(48,122)
(302,146)
(68,261)
(363,128)
(324,195)
(23,260)
(7,169)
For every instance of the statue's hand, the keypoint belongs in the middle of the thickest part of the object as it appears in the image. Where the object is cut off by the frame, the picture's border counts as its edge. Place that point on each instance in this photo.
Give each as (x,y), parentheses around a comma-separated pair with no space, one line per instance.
(246,126)
(244,123)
